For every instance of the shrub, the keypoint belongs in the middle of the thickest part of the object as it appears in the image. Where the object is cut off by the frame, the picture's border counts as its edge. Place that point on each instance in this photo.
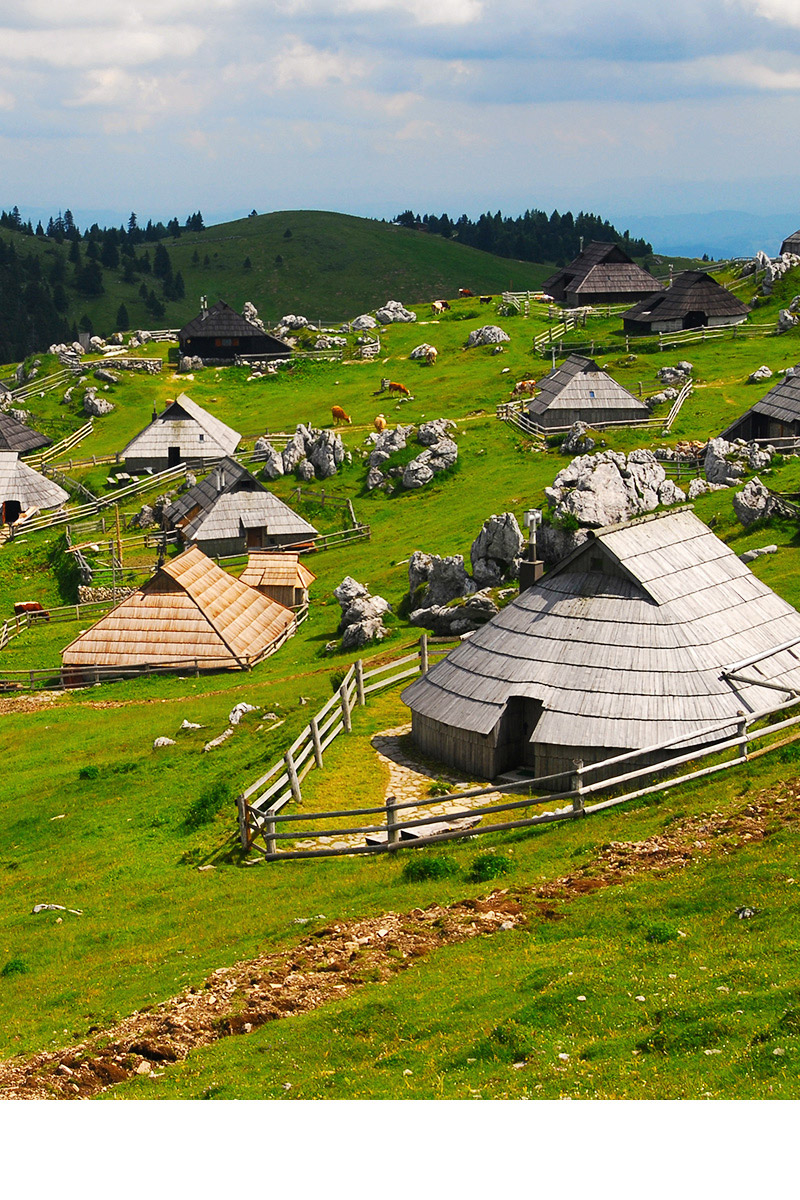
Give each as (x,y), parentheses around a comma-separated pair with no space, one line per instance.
(337,679)
(790,753)
(438,866)
(489,866)
(89,773)
(439,787)
(203,810)
(14,966)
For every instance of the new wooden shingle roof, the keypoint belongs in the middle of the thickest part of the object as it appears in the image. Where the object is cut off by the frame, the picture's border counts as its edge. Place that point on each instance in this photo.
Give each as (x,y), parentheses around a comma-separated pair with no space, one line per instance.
(20,482)
(14,435)
(190,610)
(579,383)
(185,424)
(624,643)
(602,268)
(781,403)
(691,291)
(276,570)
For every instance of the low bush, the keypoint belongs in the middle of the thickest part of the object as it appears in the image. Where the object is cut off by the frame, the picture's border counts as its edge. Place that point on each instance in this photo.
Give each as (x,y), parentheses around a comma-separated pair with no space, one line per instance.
(438,866)
(489,866)
(203,810)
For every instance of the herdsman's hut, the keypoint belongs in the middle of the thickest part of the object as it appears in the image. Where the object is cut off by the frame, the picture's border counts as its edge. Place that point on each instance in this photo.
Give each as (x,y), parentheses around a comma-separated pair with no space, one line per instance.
(631,640)
(190,615)
(601,274)
(230,511)
(219,333)
(578,390)
(16,436)
(776,415)
(23,490)
(695,299)
(791,244)
(281,576)
(183,432)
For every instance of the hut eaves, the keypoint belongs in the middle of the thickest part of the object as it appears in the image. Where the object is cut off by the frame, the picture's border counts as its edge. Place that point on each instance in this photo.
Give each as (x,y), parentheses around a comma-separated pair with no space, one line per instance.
(21,484)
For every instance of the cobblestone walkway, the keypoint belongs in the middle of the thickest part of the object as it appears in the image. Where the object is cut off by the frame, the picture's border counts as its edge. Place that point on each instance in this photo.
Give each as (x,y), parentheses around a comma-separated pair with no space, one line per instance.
(409,781)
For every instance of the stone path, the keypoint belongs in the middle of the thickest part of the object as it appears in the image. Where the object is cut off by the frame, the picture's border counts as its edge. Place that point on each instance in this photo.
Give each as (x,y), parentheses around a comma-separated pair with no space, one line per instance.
(409,781)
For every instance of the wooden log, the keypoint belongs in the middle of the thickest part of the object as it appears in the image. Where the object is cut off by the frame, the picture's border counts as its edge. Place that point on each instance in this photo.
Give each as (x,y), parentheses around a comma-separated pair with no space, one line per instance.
(392,828)
(294,782)
(345,700)
(360,697)
(316,740)
(269,834)
(244,829)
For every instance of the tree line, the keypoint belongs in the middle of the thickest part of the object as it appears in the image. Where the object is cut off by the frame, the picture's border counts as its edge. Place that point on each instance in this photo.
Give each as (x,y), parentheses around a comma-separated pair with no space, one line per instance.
(533,237)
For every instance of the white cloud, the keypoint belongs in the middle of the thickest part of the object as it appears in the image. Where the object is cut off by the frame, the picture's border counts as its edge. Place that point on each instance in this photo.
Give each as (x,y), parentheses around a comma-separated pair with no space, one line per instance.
(784,12)
(424,12)
(77,49)
(299,64)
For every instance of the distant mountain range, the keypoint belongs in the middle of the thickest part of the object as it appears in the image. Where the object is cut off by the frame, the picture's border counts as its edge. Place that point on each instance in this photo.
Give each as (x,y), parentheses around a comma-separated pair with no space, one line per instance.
(727,234)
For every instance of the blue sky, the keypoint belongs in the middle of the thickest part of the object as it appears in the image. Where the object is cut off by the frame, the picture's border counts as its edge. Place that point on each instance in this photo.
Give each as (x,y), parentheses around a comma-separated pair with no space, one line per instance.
(374,106)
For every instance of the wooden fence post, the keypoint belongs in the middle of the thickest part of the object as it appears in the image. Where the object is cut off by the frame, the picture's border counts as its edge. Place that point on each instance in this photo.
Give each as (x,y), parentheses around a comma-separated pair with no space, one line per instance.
(576,784)
(423,654)
(317,740)
(743,738)
(269,834)
(360,697)
(294,782)
(244,831)
(345,701)
(392,828)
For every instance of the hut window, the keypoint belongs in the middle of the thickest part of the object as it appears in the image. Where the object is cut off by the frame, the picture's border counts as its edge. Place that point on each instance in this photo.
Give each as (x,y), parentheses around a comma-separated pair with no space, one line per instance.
(202,437)
(591,394)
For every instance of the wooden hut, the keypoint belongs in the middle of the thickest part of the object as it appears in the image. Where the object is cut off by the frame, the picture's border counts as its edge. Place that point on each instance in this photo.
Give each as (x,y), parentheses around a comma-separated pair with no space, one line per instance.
(190,615)
(24,491)
(218,334)
(183,432)
(630,641)
(230,512)
(16,436)
(695,299)
(281,576)
(601,274)
(578,390)
(791,244)
(776,415)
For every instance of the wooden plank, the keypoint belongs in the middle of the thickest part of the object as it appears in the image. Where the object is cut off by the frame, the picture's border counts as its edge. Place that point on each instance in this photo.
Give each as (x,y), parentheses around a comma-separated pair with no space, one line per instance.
(373,687)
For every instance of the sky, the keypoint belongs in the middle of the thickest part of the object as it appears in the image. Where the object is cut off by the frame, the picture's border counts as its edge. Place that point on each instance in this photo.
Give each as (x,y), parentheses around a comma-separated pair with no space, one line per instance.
(371,107)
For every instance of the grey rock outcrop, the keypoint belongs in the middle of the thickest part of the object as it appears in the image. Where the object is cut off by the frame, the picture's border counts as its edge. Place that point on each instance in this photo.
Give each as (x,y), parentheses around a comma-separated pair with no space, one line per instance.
(105,376)
(391,312)
(96,406)
(445,579)
(144,519)
(294,452)
(453,620)
(786,321)
(272,460)
(416,474)
(602,489)
(487,335)
(751,555)
(760,374)
(433,431)
(726,462)
(496,551)
(578,440)
(326,454)
(365,321)
(250,313)
(362,614)
(294,321)
(305,471)
(754,503)
(677,374)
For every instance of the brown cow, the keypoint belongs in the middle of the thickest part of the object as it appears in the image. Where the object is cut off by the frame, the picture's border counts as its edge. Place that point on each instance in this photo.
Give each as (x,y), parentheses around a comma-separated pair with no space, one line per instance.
(525,387)
(465,292)
(340,416)
(380,422)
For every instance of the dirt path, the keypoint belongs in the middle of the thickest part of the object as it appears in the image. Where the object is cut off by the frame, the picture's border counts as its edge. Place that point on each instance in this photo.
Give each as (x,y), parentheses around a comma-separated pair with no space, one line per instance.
(335,961)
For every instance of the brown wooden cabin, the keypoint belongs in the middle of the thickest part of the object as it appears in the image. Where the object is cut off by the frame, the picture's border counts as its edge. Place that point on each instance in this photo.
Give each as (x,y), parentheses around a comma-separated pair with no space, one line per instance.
(218,334)
(601,274)
(695,300)
(776,415)
(282,576)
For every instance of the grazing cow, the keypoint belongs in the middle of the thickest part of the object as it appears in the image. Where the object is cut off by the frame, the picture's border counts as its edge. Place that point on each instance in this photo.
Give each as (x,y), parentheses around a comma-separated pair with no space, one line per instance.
(380,422)
(525,387)
(430,356)
(437,308)
(340,416)
(485,299)
(465,292)
(400,388)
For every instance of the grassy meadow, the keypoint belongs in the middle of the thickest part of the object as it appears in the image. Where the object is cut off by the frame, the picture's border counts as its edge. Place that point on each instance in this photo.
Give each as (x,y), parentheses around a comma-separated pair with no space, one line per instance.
(95,819)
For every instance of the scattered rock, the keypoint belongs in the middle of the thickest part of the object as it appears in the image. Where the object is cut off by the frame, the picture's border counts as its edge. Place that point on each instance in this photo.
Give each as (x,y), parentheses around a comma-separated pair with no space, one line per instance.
(755,502)
(190,725)
(250,313)
(578,440)
(272,460)
(487,335)
(391,312)
(236,714)
(291,321)
(457,618)
(217,741)
(163,741)
(760,374)
(94,405)
(362,614)
(365,321)
(496,551)
(786,321)
(422,351)
(752,555)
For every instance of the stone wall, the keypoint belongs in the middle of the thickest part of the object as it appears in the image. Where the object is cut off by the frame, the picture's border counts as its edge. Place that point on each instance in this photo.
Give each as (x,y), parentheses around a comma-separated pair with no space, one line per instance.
(88,595)
(147,366)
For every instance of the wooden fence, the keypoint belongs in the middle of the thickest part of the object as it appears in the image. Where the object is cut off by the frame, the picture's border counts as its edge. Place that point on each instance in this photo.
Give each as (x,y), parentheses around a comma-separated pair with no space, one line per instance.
(514,413)
(677,405)
(259,803)
(37,461)
(388,832)
(67,612)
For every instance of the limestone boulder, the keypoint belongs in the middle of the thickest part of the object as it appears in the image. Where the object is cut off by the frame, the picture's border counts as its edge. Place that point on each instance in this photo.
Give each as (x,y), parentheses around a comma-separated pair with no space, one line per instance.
(96,406)
(294,452)
(721,463)
(578,440)
(432,431)
(272,460)
(422,351)
(365,321)
(496,551)
(393,311)
(754,503)
(487,335)
(760,374)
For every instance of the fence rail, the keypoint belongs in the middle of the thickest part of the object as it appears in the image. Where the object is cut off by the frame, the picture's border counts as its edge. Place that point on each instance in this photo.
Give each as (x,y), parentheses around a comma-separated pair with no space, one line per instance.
(388,831)
(677,405)
(514,413)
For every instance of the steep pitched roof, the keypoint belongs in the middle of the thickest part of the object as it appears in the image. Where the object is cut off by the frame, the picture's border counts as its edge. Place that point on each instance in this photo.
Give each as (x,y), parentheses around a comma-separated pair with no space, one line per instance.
(226,475)
(601,268)
(579,383)
(14,435)
(220,321)
(20,482)
(276,570)
(180,424)
(191,609)
(781,403)
(690,291)
(624,643)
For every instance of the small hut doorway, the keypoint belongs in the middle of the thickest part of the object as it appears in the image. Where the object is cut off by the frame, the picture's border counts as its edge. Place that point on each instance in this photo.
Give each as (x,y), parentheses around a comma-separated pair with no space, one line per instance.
(254,539)
(515,746)
(694,319)
(173,456)
(10,511)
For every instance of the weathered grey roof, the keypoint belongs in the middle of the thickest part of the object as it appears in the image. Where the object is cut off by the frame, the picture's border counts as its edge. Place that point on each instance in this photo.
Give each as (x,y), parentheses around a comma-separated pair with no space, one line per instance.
(791,243)
(627,655)
(602,268)
(14,435)
(223,478)
(579,383)
(220,321)
(781,403)
(234,512)
(690,291)
(20,482)
(185,424)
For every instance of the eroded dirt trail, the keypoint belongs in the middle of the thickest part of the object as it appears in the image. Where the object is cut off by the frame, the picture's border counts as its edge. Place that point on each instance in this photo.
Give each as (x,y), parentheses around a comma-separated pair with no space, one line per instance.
(334,961)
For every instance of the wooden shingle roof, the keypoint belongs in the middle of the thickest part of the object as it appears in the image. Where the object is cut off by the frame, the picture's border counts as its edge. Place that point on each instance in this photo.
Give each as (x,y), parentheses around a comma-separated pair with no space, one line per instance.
(691,291)
(624,643)
(602,268)
(20,482)
(579,383)
(781,403)
(184,423)
(14,435)
(276,570)
(220,321)
(190,610)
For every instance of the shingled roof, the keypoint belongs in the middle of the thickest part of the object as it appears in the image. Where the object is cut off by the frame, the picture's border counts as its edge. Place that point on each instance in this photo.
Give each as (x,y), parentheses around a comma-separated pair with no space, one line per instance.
(781,403)
(276,570)
(220,321)
(578,383)
(180,424)
(603,268)
(625,643)
(14,435)
(691,291)
(190,610)
(20,483)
